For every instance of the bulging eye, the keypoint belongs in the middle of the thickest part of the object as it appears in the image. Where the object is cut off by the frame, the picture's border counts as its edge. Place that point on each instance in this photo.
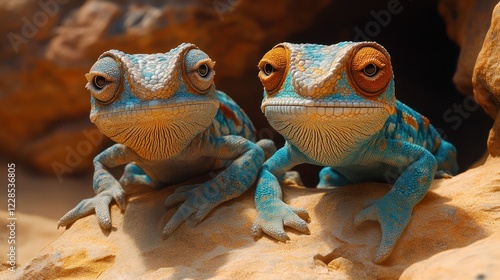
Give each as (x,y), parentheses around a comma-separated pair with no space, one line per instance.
(99,82)
(370,70)
(203,70)
(104,80)
(273,69)
(199,69)
(268,69)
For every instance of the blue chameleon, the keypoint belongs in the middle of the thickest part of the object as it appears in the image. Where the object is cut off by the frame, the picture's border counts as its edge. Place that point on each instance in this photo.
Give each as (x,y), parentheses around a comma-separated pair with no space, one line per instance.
(170,125)
(335,106)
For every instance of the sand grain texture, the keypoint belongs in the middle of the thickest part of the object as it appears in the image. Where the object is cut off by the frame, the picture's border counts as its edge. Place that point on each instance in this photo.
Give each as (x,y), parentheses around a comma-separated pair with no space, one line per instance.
(456,213)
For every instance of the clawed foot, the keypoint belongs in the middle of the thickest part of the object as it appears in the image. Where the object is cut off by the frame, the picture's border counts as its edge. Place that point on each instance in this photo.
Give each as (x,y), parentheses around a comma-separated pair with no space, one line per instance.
(198,200)
(98,204)
(274,215)
(393,219)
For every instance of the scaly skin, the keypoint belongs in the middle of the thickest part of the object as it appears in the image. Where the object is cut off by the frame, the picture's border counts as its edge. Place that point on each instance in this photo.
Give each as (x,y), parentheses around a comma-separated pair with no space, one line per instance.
(171,124)
(335,106)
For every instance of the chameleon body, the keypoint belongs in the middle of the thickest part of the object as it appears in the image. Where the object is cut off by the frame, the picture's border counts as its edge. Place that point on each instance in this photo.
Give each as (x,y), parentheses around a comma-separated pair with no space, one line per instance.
(335,106)
(170,124)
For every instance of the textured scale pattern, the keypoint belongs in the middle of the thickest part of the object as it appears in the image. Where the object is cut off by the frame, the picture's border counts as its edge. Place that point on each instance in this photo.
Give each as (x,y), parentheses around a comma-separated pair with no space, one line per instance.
(231,120)
(170,125)
(315,68)
(336,108)
(153,76)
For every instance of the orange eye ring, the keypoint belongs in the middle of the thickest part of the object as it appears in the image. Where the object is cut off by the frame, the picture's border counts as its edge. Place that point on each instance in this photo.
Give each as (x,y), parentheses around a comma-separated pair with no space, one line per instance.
(273,68)
(370,70)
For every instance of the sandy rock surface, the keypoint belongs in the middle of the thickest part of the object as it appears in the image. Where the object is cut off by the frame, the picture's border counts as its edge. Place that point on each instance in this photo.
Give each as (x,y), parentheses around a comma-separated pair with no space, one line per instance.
(33,233)
(486,80)
(466,24)
(480,260)
(456,213)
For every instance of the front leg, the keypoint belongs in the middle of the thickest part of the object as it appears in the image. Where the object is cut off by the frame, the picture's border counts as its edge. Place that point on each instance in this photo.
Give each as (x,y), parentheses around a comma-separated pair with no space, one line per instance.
(393,211)
(232,182)
(106,187)
(272,213)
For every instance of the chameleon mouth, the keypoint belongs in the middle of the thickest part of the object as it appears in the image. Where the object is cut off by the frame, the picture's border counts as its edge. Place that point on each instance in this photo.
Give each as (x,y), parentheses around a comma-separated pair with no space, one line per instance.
(326,131)
(325,108)
(157,130)
(154,109)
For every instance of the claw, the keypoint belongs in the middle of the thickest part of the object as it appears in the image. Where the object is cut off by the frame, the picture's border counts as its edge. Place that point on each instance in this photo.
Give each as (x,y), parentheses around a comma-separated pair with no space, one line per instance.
(276,231)
(392,224)
(274,214)
(301,212)
(256,230)
(197,205)
(84,208)
(201,214)
(98,204)
(179,217)
(175,198)
(367,214)
(119,197)
(297,224)
(102,212)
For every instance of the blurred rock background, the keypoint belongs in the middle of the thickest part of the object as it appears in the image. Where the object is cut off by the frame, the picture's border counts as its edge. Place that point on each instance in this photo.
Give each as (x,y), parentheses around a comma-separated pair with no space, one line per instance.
(48,45)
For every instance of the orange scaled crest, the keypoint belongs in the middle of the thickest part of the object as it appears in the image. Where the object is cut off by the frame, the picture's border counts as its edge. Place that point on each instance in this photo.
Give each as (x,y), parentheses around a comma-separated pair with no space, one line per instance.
(370,70)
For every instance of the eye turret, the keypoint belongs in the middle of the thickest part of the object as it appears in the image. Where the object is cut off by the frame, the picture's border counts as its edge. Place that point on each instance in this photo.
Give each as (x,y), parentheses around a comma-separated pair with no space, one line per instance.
(104,79)
(273,68)
(199,70)
(370,70)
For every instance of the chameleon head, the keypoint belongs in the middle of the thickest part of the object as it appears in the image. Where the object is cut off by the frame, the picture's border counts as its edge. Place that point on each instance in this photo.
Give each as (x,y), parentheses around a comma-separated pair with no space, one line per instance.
(151,101)
(327,100)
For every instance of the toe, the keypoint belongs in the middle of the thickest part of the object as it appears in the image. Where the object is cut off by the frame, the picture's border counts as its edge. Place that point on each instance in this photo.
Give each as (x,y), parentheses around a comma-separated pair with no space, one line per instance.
(175,198)
(386,245)
(102,212)
(256,230)
(368,214)
(301,212)
(382,254)
(179,217)
(276,231)
(202,213)
(296,223)
(186,188)
(119,197)
(84,208)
